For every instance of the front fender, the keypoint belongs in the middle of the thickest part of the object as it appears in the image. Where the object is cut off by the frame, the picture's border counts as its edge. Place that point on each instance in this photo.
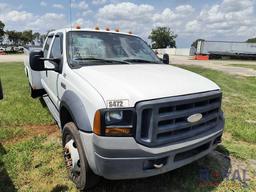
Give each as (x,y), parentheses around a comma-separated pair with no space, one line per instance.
(77,110)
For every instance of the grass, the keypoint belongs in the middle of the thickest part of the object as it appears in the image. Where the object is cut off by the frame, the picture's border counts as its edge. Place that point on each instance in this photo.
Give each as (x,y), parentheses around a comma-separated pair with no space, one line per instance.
(18,108)
(250,66)
(31,152)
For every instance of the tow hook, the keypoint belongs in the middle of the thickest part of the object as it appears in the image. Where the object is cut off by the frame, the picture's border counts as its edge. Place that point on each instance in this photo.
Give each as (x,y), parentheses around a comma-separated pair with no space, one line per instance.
(158,166)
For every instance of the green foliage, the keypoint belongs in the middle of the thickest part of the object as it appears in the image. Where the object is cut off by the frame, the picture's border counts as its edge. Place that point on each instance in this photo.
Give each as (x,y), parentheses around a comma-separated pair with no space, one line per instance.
(252,40)
(162,37)
(22,38)
(27,36)
(2,25)
(19,38)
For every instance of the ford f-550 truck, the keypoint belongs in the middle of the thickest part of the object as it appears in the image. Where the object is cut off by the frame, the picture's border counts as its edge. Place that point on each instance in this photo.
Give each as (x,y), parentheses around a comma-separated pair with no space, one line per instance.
(122,112)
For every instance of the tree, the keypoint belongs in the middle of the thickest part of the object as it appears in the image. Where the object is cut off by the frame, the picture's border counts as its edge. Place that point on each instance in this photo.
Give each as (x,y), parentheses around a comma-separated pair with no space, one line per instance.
(2,25)
(36,36)
(27,36)
(252,40)
(14,36)
(162,37)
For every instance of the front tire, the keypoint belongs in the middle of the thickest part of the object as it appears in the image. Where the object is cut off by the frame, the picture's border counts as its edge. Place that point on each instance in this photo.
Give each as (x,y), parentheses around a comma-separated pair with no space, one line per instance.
(76,162)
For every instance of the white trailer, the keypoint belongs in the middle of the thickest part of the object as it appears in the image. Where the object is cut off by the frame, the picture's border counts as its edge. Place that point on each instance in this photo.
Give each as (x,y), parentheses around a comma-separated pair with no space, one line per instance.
(226,48)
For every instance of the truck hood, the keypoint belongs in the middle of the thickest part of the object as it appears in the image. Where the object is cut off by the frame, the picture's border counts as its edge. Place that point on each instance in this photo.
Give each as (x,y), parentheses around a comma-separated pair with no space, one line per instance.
(140,82)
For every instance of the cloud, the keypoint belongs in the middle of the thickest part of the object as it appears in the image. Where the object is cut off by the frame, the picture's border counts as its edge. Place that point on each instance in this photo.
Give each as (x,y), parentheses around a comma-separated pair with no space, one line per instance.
(83,23)
(82,5)
(193,26)
(43,3)
(126,11)
(17,16)
(126,16)
(141,18)
(222,20)
(99,2)
(48,21)
(184,9)
(58,6)
(228,17)
(3,7)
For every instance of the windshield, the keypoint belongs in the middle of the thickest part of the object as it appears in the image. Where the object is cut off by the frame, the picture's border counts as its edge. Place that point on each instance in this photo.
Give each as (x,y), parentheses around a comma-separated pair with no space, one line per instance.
(95,48)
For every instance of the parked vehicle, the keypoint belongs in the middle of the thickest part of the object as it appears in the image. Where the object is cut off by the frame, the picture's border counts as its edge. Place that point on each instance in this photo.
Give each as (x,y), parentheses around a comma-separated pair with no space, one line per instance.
(18,49)
(122,112)
(219,49)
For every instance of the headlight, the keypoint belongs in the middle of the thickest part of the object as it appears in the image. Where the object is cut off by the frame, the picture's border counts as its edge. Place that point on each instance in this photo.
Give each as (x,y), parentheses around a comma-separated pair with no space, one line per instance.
(113,117)
(115,122)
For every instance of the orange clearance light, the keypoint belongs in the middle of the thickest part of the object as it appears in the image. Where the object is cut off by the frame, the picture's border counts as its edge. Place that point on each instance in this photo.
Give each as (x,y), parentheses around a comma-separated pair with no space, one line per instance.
(117,30)
(107,29)
(97,28)
(129,32)
(77,26)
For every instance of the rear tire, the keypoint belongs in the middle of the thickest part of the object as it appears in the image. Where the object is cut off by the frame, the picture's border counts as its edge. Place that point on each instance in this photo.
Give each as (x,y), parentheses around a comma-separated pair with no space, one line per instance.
(78,168)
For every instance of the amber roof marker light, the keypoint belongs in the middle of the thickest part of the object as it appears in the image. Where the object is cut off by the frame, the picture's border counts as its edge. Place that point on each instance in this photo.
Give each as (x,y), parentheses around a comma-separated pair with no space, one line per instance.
(77,26)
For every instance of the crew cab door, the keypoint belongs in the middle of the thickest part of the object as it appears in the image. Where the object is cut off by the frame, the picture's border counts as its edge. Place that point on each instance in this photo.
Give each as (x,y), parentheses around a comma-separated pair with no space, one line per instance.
(51,78)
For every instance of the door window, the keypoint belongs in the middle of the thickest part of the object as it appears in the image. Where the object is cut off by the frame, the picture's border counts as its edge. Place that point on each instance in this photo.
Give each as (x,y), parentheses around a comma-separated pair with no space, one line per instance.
(56,51)
(47,46)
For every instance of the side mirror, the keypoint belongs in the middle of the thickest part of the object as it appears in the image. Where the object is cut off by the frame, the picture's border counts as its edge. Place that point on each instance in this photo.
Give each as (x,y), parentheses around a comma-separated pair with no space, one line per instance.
(36,60)
(1,91)
(166,59)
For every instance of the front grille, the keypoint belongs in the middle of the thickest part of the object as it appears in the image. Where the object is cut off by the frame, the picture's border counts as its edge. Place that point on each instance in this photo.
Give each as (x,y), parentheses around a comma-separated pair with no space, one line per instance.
(164,121)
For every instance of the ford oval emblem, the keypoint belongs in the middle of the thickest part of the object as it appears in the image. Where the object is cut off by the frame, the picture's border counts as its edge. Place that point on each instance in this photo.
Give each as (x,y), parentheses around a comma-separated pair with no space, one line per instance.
(195,118)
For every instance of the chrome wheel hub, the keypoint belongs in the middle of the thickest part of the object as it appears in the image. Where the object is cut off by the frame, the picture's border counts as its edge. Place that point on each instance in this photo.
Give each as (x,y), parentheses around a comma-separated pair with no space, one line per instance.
(72,159)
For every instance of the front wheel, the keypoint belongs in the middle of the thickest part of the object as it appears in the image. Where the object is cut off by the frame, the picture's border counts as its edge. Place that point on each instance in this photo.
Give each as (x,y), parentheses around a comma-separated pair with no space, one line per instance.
(75,159)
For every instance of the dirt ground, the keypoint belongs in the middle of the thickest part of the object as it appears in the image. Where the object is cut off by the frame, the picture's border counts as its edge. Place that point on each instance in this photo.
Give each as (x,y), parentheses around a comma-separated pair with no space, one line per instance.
(220,65)
(12,58)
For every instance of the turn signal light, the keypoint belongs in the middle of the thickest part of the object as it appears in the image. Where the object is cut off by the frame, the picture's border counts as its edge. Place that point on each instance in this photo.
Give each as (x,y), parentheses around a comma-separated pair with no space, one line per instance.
(118,132)
(97,123)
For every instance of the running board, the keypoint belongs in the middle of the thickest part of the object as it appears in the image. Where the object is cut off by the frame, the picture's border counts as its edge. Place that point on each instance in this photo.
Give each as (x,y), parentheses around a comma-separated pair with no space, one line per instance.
(52,109)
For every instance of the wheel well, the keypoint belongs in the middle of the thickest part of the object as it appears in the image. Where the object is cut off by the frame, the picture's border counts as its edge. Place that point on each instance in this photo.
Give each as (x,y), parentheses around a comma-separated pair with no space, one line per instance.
(65,116)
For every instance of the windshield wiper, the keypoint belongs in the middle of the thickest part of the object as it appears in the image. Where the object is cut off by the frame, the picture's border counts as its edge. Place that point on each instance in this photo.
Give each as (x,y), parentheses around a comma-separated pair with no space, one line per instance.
(103,60)
(140,61)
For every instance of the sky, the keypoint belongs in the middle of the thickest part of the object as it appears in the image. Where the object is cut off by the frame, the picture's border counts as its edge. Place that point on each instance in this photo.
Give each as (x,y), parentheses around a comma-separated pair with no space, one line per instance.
(224,20)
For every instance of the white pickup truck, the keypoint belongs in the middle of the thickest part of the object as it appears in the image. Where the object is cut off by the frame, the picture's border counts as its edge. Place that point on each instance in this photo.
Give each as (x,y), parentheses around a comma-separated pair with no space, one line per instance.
(123,113)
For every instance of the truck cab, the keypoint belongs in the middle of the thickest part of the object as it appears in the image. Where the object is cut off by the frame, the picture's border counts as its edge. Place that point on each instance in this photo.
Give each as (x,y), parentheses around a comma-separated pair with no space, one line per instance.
(123,113)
